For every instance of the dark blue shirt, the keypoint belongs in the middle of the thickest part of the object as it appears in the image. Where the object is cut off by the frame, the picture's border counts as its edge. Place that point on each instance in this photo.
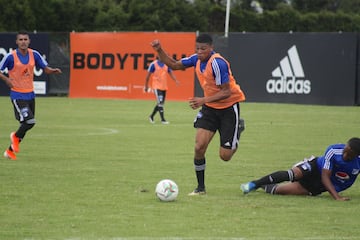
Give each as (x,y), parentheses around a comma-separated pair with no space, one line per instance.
(343,173)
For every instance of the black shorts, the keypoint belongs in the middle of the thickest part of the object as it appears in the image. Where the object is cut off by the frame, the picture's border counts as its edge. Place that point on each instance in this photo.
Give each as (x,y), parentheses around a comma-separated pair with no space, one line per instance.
(160,96)
(311,179)
(24,110)
(227,121)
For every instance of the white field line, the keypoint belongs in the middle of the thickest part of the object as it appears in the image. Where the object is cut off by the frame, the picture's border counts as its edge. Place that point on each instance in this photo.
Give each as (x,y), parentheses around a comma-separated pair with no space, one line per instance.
(88,132)
(211,238)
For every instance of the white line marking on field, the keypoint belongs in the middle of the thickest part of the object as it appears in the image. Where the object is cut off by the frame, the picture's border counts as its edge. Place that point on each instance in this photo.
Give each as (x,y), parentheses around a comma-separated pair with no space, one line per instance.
(106,131)
(215,238)
(77,133)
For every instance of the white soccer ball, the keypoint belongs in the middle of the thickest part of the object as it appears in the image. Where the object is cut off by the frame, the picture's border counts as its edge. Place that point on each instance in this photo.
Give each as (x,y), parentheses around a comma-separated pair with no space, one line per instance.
(166,190)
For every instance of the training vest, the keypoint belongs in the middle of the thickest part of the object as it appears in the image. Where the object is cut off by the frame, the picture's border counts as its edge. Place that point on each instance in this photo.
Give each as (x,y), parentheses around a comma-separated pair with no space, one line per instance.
(22,75)
(207,82)
(159,77)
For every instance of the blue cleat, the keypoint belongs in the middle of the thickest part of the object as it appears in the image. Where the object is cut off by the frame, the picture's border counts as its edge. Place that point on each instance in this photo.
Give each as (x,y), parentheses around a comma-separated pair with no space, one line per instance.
(247,187)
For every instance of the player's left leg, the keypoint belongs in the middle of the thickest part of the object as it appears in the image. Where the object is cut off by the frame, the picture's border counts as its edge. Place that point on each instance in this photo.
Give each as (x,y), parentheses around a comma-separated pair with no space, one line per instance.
(303,172)
(231,127)
(269,181)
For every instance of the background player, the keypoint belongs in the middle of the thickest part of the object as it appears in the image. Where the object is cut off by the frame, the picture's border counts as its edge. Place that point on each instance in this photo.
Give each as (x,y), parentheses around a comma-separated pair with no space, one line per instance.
(20,64)
(158,72)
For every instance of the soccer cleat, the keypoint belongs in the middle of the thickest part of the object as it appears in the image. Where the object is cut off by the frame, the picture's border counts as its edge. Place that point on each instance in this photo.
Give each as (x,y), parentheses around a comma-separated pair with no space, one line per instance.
(151,119)
(165,122)
(9,154)
(198,191)
(247,187)
(14,142)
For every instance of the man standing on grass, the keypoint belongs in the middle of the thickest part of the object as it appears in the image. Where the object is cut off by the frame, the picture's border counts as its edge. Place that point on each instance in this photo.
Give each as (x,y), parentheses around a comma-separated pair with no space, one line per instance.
(20,64)
(334,172)
(220,108)
(159,71)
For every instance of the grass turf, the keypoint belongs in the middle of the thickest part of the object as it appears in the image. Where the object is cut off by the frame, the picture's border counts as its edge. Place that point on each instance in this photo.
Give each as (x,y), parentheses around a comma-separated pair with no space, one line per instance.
(88,170)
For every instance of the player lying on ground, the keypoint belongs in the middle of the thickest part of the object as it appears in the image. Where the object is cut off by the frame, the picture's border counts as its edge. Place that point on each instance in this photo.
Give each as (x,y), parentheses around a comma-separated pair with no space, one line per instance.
(334,172)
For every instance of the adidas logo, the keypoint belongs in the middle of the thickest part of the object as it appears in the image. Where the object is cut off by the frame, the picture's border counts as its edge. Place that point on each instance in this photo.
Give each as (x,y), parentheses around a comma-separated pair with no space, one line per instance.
(289,77)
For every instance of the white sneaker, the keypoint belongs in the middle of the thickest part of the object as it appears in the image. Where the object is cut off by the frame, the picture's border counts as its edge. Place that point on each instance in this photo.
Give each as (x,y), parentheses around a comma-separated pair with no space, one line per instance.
(197,192)
(165,122)
(151,119)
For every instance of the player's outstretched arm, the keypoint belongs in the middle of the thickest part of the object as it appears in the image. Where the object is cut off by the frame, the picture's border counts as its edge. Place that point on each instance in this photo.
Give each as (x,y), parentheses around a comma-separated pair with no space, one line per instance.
(50,70)
(325,178)
(165,58)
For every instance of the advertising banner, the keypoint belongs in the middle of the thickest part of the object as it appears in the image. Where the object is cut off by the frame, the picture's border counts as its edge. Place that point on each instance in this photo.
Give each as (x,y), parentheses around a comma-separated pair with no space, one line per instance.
(304,68)
(39,42)
(114,65)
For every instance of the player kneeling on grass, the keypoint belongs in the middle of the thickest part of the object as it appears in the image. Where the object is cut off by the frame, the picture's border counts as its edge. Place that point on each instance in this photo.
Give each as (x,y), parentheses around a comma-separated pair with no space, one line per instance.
(334,172)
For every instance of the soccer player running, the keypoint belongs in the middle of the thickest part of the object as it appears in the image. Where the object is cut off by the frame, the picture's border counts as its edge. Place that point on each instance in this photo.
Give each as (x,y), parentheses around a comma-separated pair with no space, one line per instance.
(220,108)
(20,64)
(159,72)
(334,172)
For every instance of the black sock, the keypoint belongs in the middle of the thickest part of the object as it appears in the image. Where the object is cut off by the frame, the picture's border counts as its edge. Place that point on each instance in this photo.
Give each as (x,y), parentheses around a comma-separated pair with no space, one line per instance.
(200,165)
(24,127)
(154,111)
(161,111)
(275,177)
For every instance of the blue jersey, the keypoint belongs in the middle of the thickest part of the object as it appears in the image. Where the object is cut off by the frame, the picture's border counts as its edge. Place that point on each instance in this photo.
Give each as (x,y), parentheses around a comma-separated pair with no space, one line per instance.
(343,173)
(219,67)
(8,63)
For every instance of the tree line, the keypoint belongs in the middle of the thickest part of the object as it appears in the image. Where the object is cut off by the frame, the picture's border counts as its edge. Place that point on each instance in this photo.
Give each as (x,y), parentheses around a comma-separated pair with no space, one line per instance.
(180,15)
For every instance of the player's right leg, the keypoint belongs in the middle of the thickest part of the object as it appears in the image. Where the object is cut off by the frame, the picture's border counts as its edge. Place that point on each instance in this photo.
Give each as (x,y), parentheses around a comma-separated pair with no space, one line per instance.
(202,140)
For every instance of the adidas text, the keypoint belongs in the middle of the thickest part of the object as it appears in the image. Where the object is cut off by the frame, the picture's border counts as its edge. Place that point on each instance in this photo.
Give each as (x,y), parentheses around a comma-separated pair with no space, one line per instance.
(291,86)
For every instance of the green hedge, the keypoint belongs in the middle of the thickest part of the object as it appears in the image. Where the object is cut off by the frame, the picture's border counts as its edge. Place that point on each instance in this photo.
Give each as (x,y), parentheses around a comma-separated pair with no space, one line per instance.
(291,20)
(165,16)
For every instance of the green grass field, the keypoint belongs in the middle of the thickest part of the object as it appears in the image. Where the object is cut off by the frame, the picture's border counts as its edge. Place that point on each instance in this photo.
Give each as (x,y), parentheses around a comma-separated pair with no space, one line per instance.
(89,168)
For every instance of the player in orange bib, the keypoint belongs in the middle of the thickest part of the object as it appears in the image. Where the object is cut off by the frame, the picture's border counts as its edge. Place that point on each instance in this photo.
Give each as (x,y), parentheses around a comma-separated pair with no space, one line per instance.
(20,64)
(220,108)
(158,72)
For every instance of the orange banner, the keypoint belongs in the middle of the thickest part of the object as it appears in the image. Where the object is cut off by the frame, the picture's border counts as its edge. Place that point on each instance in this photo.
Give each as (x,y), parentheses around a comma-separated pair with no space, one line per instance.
(114,65)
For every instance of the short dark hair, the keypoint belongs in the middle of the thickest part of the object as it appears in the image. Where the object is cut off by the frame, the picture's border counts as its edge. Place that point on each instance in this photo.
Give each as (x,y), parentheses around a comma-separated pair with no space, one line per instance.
(354,144)
(22,32)
(204,38)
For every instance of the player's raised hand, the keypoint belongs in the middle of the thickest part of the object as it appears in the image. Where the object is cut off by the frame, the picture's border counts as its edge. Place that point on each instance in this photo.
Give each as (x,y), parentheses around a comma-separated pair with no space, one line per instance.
(156,45)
